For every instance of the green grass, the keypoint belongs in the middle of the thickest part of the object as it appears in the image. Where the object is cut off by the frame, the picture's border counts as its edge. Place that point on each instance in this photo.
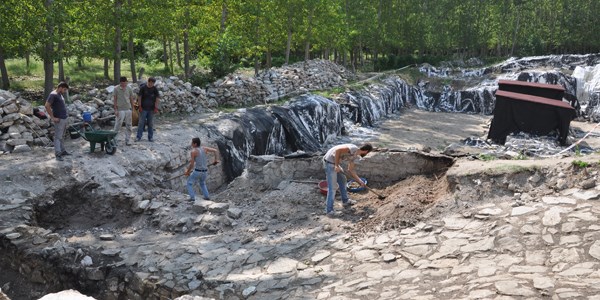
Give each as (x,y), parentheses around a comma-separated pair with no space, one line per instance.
(580,164)
(91,71)
(330,92)
(486,157)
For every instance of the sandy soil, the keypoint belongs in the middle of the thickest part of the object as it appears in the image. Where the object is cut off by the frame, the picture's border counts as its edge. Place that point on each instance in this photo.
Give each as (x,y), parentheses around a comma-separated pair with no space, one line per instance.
(415,128)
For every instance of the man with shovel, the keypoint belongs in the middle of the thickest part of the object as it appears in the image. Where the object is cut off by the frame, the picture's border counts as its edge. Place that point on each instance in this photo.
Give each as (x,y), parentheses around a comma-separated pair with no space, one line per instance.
(335,174)
(200,168)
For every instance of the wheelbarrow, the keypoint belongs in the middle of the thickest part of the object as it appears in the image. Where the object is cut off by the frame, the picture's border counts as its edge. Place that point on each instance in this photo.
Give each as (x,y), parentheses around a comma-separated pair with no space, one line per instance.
(106,138)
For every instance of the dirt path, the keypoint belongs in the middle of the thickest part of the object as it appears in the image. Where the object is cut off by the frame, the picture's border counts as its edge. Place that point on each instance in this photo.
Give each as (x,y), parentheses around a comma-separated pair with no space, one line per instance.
(415,128)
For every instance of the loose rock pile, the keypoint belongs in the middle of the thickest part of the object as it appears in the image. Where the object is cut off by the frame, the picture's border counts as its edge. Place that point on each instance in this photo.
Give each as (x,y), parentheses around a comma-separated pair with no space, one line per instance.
(277,83)
(19,129)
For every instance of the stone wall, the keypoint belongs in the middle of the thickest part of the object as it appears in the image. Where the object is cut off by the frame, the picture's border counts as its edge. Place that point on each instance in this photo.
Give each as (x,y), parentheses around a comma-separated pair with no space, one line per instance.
(20,129)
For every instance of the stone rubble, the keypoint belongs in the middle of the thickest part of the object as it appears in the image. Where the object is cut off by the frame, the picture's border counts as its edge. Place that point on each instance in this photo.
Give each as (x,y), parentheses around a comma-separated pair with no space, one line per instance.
(20,130)
(541,242)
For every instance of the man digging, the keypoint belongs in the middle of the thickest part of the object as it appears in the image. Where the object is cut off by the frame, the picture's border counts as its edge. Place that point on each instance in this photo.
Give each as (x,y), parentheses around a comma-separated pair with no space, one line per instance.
(334,172)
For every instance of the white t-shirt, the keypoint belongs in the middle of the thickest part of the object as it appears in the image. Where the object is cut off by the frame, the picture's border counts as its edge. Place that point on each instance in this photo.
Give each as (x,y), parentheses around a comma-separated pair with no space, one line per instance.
(330,155)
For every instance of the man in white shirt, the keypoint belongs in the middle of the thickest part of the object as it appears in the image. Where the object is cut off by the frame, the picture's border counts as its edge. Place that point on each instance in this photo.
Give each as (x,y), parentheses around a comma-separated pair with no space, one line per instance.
(123,102)
(335,174)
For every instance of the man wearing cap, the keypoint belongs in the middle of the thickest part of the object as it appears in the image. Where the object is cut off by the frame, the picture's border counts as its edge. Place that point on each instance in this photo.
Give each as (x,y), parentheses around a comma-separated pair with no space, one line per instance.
(57,110)
(123,102)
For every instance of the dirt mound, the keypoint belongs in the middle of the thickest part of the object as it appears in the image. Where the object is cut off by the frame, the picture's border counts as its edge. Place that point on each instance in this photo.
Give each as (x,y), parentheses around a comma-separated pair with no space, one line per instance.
(404,205)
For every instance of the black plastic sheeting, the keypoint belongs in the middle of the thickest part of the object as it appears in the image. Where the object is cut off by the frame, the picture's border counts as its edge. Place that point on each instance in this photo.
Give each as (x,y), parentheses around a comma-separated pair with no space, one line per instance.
(303,125)
(309,121)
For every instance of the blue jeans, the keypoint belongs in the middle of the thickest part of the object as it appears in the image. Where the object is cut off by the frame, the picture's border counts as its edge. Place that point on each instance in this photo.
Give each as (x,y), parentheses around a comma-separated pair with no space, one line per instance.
(194,177)
(146,118)
(332,178)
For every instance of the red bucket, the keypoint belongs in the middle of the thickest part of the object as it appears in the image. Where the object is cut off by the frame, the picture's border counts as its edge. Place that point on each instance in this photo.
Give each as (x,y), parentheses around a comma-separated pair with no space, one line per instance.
(323,187)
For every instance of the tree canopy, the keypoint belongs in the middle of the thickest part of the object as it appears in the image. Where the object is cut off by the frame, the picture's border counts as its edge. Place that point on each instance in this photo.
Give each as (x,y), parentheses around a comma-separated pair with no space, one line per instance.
(223,34)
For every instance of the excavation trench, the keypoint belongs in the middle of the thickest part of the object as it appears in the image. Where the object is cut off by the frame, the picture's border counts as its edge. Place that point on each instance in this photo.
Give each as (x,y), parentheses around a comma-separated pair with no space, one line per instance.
(112,245)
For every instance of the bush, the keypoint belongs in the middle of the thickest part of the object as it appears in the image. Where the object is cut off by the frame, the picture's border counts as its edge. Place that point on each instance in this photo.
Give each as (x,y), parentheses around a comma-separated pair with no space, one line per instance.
(202,79)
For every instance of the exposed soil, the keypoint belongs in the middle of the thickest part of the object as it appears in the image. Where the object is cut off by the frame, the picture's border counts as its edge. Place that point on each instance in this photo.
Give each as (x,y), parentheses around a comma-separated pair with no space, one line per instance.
(404,204)
(298,207)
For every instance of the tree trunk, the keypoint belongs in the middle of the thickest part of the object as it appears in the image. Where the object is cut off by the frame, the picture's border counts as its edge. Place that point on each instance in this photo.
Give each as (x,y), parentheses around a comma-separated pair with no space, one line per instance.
(61,65)
(288,46)
(268,54)
(118,43)
(165,57)
(5,83)
(223,16)
(106,65)
(186,55)
(27,62)
(257,53)
(48,54)
(308,36)
(171,58)
(177,52)
(514,41)
(131,56)
(130,49)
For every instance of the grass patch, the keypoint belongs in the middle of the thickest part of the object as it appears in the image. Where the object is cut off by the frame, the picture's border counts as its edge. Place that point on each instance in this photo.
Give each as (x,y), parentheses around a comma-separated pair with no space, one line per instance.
(91,71)
(485,157)
(580,164)
(330,92)
(410,75)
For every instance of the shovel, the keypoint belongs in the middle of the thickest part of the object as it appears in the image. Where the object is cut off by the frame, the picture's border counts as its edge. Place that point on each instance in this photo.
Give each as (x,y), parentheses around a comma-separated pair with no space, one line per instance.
(174,177)
(380,196)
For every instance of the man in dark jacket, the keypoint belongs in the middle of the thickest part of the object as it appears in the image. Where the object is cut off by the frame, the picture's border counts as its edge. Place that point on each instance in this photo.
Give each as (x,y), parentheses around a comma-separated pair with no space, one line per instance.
(148,98)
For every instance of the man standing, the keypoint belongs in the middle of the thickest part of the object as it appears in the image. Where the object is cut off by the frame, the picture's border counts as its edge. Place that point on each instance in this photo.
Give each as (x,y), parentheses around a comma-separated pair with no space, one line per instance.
(335,174)
(148,98)
(57,110)
(123,102)
(200,167)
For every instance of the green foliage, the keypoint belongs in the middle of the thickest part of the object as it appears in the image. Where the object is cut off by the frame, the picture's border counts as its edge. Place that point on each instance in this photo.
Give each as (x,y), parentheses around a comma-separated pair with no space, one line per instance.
(222,58)
(201,79)
(330,92)
(229,33)
(580,164)
(521,156)
(486,157)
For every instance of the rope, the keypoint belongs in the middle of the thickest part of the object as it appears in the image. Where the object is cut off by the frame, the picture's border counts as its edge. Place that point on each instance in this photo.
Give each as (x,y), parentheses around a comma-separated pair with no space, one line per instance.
(574,144)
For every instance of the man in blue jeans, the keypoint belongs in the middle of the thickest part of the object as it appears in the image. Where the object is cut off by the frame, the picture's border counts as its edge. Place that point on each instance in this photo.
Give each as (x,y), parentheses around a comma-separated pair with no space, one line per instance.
(148,98)
(335,174)
(200,168)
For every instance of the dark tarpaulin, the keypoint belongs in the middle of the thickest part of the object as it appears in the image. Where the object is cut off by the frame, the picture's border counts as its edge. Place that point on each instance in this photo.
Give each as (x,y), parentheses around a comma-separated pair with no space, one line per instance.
(552,91)
(519,112)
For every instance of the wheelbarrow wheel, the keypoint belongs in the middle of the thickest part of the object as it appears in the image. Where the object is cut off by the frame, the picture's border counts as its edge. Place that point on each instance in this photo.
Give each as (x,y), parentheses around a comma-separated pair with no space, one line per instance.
(111,147)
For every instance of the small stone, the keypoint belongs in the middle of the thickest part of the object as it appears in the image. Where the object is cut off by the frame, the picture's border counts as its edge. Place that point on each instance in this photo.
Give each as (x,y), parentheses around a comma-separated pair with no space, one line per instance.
(13,236)
(388,257)
(111,252)
(107,237)
(234,213)
(248,291)
(319,256)
(87,261)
